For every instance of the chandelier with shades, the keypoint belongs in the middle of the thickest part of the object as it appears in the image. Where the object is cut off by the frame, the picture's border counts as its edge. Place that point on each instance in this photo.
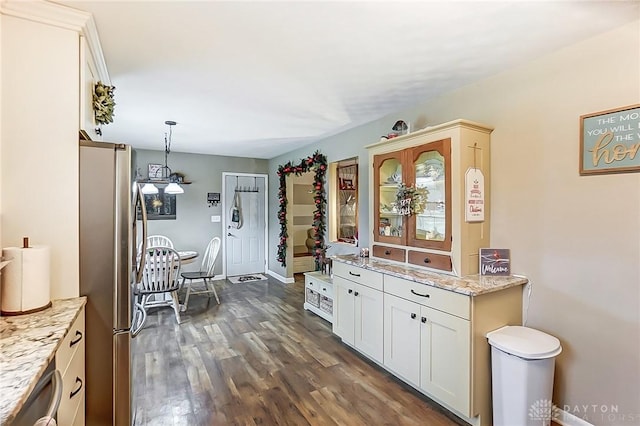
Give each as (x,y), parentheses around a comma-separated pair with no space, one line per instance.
(165,172)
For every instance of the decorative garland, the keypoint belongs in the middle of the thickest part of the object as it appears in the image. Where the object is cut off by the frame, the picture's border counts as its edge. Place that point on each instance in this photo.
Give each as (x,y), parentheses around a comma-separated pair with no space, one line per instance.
(411,200)
(103,103)
(317,162)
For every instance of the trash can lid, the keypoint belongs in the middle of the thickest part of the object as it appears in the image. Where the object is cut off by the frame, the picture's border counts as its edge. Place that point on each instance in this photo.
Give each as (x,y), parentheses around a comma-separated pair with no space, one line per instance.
(524,342)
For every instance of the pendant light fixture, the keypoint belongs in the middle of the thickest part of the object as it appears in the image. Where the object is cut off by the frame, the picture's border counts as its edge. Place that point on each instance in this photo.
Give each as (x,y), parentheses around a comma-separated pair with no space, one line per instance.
(172,187)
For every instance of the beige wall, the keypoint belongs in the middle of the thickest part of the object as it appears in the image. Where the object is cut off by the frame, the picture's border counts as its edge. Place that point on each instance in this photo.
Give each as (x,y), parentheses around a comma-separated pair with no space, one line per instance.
(39,170)
(577,238)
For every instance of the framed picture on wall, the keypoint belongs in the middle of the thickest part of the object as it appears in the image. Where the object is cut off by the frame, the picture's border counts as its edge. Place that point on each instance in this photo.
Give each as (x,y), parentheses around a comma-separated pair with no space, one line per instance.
(160,206)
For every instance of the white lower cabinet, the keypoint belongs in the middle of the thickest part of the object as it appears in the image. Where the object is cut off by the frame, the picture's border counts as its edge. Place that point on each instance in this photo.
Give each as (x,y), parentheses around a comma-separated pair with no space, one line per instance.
(70,361)
(422,344)
(445,346)
(358,314)
(432,338)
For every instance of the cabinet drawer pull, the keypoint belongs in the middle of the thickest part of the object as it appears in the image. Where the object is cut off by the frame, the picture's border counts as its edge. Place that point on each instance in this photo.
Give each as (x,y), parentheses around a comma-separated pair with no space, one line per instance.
(418,294)
(73,342)
(387,252)
(350,291)
(324,289)
(355,275)
(424,320)
(427,260)
(355,294)
(413,316)
(75,392)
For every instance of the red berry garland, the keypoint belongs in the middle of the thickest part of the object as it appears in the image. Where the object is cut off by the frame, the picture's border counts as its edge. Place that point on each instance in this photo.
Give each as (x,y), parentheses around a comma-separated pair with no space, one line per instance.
(318,163)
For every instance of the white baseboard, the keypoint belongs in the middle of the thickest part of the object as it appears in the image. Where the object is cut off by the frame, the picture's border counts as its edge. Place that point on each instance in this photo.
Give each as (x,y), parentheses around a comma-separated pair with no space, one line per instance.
(568,419)
(281,278)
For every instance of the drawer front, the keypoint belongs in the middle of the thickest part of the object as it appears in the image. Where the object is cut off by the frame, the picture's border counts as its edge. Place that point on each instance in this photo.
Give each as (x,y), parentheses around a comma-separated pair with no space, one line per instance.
(437,298)
(321,283)
(325,289)
(359,275)
(430,260)
(73,383)
(311,283)
(70,343)
(389,253)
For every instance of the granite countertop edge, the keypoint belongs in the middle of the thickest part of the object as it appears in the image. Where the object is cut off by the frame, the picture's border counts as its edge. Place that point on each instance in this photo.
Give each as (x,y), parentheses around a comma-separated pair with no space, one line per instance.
(470,285)
(28,344)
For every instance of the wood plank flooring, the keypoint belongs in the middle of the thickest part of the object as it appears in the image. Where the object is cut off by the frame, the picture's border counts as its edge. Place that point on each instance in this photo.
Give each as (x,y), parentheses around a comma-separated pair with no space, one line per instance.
(259,358)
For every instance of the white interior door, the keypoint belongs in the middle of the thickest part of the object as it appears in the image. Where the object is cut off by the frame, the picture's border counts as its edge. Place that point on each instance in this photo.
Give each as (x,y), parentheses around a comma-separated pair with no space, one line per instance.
(245,238)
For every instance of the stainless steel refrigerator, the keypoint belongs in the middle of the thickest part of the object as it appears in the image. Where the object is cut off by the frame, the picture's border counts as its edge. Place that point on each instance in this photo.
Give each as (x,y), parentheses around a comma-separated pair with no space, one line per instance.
(107,235)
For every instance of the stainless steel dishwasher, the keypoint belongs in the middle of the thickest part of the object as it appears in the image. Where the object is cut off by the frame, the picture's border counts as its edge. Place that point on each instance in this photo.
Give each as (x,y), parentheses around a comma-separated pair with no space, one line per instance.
(43,401)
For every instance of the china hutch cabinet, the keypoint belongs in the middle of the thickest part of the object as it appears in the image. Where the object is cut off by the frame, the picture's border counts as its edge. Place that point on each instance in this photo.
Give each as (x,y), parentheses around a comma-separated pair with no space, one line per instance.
(435,160)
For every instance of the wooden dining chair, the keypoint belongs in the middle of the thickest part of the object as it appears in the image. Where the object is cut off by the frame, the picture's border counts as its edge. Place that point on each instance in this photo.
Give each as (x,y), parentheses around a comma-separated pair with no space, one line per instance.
(160,278)
(205,274)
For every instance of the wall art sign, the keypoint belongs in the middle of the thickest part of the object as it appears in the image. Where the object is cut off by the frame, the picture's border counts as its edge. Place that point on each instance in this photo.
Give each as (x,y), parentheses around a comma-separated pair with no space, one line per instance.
(474,195)
(610,141)
(495,261)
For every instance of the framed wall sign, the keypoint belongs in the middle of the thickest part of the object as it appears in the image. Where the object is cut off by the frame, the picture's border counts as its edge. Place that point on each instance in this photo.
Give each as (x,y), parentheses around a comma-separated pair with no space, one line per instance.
(610,141)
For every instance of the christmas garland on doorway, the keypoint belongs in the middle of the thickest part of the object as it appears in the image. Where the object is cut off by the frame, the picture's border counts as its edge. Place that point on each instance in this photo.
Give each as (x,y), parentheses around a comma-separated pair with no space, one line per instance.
(318,163)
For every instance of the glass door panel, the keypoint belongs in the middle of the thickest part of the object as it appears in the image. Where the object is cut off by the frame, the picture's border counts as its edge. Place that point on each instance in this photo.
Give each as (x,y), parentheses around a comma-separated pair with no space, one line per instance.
(431,228)
(389,224)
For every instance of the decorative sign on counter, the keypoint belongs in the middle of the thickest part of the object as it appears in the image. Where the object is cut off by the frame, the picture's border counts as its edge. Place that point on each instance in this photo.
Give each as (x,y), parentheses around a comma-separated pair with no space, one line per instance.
(495,261)
(474,195)
(610,141)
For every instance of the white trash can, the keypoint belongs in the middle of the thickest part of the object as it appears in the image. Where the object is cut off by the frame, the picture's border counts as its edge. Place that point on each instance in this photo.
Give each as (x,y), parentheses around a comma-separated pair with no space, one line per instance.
(522,365)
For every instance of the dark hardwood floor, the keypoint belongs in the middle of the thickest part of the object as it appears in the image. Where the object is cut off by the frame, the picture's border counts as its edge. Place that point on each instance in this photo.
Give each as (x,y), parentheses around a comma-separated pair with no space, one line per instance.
(259,358)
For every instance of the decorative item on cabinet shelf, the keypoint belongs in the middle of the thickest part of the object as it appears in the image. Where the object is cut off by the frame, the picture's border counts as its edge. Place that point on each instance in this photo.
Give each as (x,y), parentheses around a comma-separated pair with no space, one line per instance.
(401,128)
(411,199)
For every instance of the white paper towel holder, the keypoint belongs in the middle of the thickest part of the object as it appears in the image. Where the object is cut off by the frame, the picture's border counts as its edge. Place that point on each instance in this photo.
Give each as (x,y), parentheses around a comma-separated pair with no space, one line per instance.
(13,312)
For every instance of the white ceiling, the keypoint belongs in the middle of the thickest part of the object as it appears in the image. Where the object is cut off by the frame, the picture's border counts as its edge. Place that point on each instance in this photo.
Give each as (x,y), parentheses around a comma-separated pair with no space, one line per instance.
(258,79)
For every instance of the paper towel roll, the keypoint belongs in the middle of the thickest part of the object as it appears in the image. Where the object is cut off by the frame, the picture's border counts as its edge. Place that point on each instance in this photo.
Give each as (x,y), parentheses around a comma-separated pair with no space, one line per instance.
(25,281)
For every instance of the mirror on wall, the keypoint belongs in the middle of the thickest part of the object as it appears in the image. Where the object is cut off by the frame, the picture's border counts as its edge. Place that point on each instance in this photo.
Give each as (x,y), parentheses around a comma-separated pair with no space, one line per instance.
(344,204)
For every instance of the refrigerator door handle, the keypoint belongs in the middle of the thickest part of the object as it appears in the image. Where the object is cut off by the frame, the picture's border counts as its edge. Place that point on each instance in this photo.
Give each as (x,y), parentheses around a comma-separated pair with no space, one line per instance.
(122,254)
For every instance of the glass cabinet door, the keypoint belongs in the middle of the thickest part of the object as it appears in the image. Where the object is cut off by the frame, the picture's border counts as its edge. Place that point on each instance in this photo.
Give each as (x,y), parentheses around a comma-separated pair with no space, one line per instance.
(430,168)
(388,223)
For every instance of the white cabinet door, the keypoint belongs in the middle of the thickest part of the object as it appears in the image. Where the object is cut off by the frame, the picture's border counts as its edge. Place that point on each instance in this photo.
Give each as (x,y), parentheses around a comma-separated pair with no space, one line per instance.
(344,309)
(445,350)
(369,316)
(402,338)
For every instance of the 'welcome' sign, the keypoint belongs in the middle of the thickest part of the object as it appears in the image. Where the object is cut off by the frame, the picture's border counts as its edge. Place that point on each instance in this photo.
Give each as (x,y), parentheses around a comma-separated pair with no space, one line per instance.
(610,141)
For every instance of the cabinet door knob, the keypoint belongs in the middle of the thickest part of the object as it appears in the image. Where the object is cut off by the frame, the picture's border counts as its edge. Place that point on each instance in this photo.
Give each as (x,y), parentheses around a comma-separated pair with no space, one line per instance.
(355,294)
(418,294)
(350,291)
(413,316)
(387,252)
(427,260)
(424,320)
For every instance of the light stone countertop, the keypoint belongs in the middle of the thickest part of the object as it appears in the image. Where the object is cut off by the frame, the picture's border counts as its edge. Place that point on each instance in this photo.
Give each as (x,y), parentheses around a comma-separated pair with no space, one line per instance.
(27,344)
(471,285)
